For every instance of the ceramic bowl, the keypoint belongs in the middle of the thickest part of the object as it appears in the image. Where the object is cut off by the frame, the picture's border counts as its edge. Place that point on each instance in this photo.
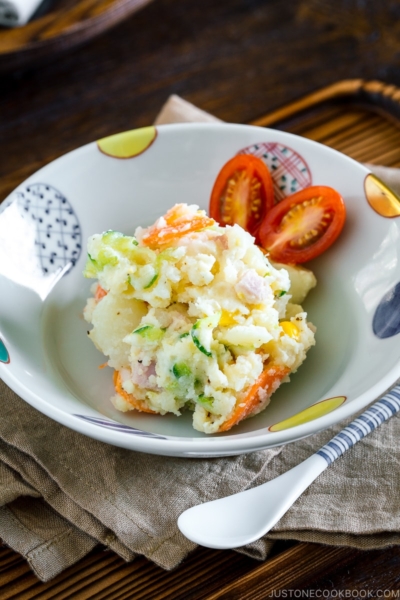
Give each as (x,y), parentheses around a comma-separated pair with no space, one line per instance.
(134,177)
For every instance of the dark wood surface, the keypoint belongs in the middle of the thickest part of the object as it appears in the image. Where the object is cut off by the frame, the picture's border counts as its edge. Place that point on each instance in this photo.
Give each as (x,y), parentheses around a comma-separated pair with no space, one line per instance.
(299,569)
(241,60)
(59,25)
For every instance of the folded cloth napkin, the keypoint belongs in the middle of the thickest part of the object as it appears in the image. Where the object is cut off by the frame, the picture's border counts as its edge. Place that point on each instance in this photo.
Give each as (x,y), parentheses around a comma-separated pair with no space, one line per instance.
(57,501)
(14,13)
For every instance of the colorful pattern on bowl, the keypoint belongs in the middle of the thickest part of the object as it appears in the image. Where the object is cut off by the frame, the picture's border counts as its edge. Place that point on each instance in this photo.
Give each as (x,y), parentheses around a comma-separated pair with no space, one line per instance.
(115,426)
(381,198)
(58,238)
(309,414)
(129,143)
(4,355)
(386,321)
(290,172)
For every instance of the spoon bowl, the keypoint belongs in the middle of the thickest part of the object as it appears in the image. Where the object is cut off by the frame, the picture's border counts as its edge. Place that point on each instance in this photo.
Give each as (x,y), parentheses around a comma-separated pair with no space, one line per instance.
(242,518)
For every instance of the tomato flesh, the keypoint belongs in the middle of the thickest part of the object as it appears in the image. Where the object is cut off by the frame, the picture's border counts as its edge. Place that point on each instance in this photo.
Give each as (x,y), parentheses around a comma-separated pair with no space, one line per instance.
(303,225)
(243,193)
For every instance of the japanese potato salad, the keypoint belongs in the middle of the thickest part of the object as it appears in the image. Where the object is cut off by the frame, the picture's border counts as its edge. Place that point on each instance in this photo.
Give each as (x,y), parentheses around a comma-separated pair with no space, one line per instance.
(195,316)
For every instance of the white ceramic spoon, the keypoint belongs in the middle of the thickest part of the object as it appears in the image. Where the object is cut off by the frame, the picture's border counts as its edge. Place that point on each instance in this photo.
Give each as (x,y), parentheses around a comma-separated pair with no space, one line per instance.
(242,518)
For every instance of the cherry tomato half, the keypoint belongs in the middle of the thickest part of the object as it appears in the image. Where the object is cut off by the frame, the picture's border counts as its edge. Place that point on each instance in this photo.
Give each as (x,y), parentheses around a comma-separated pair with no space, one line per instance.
(303,225)
(243,193)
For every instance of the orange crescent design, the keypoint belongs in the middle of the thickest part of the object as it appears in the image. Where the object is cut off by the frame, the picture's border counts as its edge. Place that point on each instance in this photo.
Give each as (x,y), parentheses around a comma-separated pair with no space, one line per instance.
(381,198)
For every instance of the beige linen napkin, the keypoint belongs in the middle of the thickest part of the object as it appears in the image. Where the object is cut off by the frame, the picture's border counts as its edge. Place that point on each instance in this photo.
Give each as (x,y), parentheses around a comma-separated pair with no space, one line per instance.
(57,501)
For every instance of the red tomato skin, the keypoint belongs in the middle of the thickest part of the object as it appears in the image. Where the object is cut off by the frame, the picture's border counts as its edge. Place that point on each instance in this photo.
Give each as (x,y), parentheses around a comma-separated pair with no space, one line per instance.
(281,250)
(254,167)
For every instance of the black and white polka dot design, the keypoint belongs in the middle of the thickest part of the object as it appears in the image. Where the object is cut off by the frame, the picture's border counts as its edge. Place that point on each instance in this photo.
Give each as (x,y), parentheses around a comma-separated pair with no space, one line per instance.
(58,239)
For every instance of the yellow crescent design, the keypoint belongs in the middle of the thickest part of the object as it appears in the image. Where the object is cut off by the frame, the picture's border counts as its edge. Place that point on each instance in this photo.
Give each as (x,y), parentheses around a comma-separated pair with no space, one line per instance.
(129,143)
(309,414)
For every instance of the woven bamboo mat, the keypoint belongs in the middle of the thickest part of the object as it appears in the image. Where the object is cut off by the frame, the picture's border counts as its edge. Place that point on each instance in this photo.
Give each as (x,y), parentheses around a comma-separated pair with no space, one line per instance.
(360,119)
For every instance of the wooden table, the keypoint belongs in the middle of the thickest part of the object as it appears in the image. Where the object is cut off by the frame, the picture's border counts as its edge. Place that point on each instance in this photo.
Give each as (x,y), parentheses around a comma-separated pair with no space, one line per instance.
(240,60)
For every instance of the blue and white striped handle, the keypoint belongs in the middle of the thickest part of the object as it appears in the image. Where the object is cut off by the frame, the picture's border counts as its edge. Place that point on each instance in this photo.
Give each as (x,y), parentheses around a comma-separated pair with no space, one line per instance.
(379,412)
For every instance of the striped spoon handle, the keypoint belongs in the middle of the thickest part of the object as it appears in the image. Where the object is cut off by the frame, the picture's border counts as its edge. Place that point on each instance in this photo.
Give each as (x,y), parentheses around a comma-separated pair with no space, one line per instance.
(369,420)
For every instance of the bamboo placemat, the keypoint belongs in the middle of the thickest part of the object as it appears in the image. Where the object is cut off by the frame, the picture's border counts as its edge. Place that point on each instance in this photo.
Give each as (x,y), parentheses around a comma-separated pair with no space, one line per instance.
(359,118)
(362,120)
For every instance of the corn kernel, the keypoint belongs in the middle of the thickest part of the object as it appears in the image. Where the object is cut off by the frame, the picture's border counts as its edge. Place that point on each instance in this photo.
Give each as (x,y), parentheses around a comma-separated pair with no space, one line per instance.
(259,307)
(290,329)
(227,319)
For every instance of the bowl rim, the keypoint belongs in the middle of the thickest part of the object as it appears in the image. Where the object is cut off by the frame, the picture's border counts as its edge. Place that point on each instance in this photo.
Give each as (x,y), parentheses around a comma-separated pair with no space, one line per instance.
(233,444)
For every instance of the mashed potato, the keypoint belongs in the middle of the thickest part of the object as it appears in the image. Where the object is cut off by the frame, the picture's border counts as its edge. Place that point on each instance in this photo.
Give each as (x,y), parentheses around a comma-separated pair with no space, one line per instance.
(194,316)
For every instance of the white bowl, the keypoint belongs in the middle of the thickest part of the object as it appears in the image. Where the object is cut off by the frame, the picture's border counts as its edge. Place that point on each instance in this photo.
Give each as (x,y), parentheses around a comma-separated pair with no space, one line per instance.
(131,179)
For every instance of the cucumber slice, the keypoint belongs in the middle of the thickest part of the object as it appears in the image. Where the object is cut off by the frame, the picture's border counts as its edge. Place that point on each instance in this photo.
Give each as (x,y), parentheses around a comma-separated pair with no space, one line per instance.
(91,268)
(206,401)
(119,241)
(106,256)
(149,332)
(94,266)
(201,333)
(111,246)
(166,255)
(181,370)
(152,281)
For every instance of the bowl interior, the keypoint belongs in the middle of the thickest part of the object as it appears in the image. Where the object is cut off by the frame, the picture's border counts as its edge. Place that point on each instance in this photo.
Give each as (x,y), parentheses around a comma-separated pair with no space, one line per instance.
(41,321)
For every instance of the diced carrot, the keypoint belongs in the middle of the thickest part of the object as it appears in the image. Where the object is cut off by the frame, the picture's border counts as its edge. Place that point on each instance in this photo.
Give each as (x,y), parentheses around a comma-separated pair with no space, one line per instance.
(158,237)
(138,404)
(174,214)
(178,224)
(100,293)
(269,380)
